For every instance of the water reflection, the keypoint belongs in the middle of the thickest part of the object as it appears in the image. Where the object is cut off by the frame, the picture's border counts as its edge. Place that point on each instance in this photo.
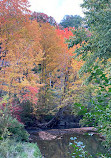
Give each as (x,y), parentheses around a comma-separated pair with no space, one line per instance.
(60,148)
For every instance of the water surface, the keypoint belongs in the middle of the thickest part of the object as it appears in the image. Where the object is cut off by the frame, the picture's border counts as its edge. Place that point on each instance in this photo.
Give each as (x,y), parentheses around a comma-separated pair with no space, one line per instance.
(60,148)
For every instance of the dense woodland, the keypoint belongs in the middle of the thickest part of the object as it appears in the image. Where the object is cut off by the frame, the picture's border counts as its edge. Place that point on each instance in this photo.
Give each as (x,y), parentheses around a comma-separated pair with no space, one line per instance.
(47,67)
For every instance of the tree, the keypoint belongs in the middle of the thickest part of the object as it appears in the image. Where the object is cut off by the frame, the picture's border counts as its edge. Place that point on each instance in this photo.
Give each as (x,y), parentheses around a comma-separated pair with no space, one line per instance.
(23,53)
(13,15)
(95,51)
(52,58)
(43,18)
(20,42)
(71,21)
(96,43)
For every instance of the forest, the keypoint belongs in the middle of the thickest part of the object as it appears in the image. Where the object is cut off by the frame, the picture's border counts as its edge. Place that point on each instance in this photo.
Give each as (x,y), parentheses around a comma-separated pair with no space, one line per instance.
(54,76)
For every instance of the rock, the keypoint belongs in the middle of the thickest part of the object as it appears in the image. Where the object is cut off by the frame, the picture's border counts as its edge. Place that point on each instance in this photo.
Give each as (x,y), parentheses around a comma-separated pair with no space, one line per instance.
(46,136)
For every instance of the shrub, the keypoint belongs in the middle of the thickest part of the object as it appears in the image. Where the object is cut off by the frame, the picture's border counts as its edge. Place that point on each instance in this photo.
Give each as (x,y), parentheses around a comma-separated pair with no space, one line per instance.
(10,126)
(17,130)
(27,113)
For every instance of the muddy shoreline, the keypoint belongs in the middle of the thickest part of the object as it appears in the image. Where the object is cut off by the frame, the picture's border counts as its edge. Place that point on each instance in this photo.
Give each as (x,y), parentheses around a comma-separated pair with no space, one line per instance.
(58,133)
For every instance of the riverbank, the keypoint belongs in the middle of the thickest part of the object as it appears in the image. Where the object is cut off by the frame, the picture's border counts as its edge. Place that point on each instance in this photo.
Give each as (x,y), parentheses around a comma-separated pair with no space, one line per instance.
(58,133)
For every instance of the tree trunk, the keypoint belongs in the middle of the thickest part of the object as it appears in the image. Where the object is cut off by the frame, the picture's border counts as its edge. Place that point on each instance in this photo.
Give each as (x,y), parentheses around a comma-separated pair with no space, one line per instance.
(54,120)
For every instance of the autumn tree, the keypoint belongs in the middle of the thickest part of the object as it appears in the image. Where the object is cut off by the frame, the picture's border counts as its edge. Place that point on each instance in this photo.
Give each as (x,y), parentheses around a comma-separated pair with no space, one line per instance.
(43,18)
(13,15)
(52,57)
(21,47)
(71,66)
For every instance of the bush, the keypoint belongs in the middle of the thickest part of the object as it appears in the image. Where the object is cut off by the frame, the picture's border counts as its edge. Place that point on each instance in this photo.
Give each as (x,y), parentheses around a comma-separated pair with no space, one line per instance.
(17,130)
(27,114)
(10,126)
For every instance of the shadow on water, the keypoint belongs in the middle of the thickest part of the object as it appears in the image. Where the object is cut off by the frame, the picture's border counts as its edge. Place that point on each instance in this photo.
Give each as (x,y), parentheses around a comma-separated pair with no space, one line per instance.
(60,148)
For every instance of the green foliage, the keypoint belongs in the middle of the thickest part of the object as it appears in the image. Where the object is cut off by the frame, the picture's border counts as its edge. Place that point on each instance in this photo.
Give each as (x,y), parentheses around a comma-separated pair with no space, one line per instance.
(81,99)
(12,132)
(71,21)
(27,113)
(80,35)
(13,149)
(95,51)
(95,45)
(99,115)
(98,18)
(79,151)
(53,98)
(49,101)
(16,129)
(10,127)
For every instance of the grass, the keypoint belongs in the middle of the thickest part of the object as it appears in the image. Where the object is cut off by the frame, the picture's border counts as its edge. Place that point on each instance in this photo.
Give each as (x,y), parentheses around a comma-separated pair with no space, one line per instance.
(13,149)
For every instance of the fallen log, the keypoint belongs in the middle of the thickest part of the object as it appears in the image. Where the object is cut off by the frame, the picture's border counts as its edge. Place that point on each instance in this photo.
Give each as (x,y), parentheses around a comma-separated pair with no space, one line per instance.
(53,122)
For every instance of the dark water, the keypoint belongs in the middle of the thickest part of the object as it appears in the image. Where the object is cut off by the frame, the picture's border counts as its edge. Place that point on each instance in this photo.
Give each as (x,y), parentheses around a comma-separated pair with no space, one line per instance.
(60,148)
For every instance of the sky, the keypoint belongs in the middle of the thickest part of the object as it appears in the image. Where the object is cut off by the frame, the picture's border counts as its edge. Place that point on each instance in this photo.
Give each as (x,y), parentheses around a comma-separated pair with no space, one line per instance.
(57,8)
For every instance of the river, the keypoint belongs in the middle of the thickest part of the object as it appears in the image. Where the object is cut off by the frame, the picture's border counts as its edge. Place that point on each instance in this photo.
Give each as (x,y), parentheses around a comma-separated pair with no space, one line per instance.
(55,143)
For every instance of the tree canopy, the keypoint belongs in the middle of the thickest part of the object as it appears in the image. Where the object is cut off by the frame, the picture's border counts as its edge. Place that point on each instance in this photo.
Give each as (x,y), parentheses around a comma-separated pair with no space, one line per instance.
(71,21)
(96,43)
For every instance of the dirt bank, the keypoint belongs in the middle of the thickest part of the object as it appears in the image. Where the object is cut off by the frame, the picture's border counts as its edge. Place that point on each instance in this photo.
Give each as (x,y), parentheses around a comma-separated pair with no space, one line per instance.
(58,133)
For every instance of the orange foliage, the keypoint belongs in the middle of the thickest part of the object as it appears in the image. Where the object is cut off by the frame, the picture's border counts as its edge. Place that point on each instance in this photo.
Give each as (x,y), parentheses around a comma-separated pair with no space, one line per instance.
(26,44)
(20,44)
